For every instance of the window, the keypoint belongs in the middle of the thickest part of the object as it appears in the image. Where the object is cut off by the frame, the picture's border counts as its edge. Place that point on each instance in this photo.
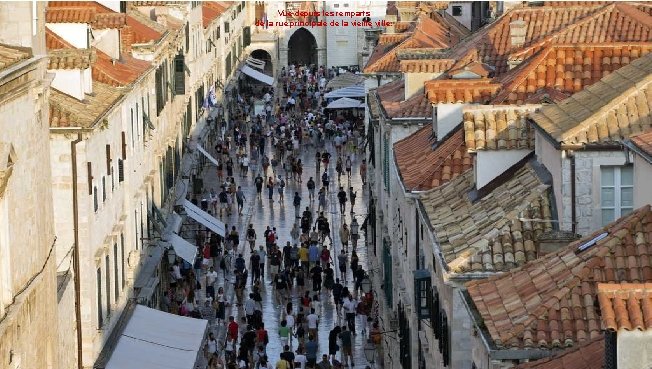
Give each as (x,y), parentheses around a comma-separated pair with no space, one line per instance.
(116,286)
(457,11)
(386,163)
(246,37)
(95,202)
(103,189)
(217,33)
(616,192)
(107,270)
(336,5)
(100,316)
(121,170)
(387,268)
(89,170)
(423,293)
(108,159)
(180,74)
(187,32)
(122,256)
(136,227)
(124,145)
(434,313)
(346,5)
(226,27)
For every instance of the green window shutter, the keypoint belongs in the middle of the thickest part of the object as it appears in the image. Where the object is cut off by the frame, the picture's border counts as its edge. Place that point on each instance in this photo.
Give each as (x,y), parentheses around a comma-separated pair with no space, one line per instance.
(386,163)
(387,264)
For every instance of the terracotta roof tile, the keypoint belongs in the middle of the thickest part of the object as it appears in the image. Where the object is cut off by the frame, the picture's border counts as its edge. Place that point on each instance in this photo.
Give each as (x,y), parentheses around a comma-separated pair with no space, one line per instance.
(66,111)
(428,33)
(480,69)
(424,164)
(69,15)
(143,32)
(488,235)
(498,128)
(210,11)
(118,73)
(91,12)
(480,90)
(552,303)
(585,24)
(54,41)
(567,69)
(643,141)
(585,356)
(391,97)
(10,55)
(610,110)
(71,59)
(626,306)
(391,38)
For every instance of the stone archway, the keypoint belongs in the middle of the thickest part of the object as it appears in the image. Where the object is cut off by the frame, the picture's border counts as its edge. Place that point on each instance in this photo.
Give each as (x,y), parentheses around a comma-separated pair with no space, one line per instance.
(302,47)
(265,56)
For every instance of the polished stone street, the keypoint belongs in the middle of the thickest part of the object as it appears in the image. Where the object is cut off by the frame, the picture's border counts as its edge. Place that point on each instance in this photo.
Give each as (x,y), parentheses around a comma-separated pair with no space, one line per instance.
(262,213)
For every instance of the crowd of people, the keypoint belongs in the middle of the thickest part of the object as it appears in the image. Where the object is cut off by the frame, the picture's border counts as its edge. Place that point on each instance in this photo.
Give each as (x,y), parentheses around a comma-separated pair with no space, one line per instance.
(300,270)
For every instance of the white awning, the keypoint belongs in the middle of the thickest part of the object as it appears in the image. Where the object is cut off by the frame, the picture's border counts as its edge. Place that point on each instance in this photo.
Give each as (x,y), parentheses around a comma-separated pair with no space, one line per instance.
(207,155)
(352,91)
(183,248)
(256,63)
(204,218)
(257,75)
(345,103)
(154,339)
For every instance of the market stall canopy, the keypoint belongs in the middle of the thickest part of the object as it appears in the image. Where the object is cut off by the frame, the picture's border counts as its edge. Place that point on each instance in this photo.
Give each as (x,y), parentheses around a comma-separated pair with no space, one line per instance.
(256,63)
(208,156)
(352,91)
(345,80)
(262,77)
(204,218)
(153,339)
(183,248)
(345,103)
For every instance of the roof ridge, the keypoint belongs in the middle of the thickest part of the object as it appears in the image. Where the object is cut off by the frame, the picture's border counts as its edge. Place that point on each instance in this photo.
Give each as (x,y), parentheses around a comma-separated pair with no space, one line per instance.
(635,13)
(607,105)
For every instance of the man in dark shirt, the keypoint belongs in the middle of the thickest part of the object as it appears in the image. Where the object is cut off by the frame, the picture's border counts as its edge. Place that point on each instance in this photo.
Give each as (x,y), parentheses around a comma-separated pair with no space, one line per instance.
(288,355)
(341,196)
(254,261)
(311,351)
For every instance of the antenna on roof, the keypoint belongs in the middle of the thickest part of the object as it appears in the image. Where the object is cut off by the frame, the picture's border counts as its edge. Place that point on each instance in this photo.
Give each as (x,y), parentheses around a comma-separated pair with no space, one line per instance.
(592,242)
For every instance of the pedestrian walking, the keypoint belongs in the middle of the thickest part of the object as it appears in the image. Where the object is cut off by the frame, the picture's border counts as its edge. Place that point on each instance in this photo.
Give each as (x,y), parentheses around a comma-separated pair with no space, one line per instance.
(311,189)
(259,185)
(354,232)
(270,189)
(240,198)
(296,201)
(341,197)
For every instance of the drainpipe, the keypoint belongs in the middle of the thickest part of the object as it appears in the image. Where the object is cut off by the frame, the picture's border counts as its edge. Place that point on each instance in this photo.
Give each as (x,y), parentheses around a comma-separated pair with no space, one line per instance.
(75,265)
(571,156)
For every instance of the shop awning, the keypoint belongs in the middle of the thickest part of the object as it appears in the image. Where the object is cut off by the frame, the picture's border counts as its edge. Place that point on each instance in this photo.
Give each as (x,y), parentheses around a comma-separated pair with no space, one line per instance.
(207,155)
(256,63)
(345,80)
(183,248)
(153,339)
(262,77)
(352,91)
(345,103)
(204,218)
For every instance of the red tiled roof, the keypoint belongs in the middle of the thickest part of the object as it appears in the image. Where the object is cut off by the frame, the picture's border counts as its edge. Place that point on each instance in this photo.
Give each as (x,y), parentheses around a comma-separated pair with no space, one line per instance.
(391,97)
(498,128)
(567,69)
(626,306)
(644,141)
(585,356)
(587,24)
(210,11)
(479,90)
(142,33)
(69,15)
(119,72)
(426,65)
(422,168)
(390,38)
(552,302)
(54,41)
(91,12)
(428,33)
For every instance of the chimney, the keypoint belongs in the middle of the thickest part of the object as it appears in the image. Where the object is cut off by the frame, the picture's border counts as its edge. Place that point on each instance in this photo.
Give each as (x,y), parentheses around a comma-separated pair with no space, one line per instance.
(517,31)
(554,240)
(391,19)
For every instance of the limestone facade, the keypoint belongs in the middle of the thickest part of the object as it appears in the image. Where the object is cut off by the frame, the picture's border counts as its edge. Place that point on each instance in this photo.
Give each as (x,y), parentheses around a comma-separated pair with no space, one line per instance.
(28,314)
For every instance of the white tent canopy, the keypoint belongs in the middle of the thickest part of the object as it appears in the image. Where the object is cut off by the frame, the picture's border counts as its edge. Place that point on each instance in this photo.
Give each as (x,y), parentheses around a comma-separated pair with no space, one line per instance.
(345,103)
(345,80)
(204,218)
(352,91)
(262,77)
(256,63)
(154,339)
(183,248)
(208,156)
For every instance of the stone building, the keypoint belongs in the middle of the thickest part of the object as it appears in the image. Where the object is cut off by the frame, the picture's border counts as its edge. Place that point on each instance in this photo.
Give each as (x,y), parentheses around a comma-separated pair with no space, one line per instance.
(131,84)
(28,281)
(449,101)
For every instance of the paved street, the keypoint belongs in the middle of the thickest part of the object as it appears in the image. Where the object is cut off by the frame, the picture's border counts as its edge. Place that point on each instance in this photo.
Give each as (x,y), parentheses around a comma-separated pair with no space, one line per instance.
(261,213)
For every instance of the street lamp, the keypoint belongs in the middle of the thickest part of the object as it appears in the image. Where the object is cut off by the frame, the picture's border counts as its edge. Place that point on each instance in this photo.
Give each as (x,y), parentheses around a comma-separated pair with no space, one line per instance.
(370,352)
(365,285)
(172,256)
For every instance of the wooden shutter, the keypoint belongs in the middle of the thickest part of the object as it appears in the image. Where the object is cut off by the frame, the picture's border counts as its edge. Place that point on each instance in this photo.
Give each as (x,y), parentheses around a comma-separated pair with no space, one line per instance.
(124,145)
(89,169)
(121,170)
(108,159)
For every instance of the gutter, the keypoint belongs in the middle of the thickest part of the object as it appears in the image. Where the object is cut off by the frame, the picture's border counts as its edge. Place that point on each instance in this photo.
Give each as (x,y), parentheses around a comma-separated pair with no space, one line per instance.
(632,146)
(571,157)
(76,268)
(493,352)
